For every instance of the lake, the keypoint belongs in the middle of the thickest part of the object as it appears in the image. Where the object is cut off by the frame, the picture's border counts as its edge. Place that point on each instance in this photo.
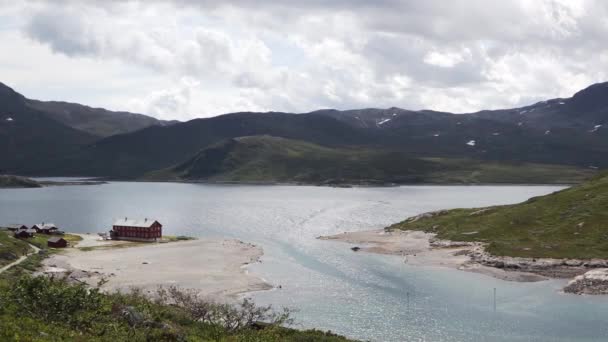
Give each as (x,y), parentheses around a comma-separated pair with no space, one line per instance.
(371,297)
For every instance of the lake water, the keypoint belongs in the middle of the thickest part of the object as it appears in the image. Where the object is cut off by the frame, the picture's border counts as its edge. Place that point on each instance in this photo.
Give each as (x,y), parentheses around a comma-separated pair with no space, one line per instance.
(360,295)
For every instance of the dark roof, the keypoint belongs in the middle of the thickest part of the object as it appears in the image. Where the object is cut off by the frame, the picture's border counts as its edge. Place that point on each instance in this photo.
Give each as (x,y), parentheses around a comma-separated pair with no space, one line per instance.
(45,226)
(56,239)
(145,223)
(15,226)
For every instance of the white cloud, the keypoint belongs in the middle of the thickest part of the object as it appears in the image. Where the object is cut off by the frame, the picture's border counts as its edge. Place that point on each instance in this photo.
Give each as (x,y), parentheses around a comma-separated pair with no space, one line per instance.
(183,59)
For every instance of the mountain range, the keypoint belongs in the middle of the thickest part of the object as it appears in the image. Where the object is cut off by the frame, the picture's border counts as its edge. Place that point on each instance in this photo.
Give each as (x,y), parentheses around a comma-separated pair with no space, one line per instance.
(58,138)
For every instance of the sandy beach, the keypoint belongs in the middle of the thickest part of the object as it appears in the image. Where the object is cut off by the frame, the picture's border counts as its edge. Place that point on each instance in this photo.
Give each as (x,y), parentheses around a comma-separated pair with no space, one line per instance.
(214,268)
(422,249)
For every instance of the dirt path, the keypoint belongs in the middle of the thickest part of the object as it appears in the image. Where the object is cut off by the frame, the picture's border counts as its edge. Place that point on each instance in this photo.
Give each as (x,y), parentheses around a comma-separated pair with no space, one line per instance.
(20,260)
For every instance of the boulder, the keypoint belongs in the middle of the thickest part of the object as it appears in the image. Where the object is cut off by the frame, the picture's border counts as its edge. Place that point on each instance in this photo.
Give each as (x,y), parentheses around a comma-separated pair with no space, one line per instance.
(592,282)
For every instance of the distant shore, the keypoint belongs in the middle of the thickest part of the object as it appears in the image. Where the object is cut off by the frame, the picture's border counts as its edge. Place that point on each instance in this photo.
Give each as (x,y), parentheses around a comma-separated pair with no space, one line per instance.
(214,268)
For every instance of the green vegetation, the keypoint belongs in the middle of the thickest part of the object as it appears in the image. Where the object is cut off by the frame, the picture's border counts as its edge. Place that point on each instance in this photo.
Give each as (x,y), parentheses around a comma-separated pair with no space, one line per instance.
(39,240)
(11,249)
(271,159)
(53,309)
(48,309)
(572,223)
(471,171)
(9,181)
(172,238)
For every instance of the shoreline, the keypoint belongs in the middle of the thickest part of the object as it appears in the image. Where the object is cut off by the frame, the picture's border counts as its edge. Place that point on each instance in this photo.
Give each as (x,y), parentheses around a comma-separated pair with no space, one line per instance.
(423,249)
(216,269)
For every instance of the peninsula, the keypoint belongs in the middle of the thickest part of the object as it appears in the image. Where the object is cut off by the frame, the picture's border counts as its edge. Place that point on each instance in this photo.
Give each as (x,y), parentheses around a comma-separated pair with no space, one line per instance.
(560,235)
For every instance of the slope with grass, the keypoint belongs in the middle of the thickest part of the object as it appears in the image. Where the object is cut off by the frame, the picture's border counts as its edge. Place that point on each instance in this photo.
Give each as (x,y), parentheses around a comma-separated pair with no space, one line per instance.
(572,223)
(48,309)
(272,159)
(11,249)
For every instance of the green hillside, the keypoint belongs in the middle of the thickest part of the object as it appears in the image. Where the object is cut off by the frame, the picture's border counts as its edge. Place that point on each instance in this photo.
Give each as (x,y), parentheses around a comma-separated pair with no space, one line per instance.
(572,223)
(273,159)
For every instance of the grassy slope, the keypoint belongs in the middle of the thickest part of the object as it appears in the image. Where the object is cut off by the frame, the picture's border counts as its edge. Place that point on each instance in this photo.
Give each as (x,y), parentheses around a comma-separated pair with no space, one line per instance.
(10,248)
(272,159)
(572,223)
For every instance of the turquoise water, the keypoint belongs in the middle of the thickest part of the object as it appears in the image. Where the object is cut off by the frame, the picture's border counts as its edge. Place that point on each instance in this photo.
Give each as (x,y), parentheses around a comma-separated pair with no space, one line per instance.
(359,295)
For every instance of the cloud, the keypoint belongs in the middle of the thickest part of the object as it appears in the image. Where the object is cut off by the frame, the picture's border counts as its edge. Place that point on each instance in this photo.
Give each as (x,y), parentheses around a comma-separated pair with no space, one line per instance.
(208,57)
(168,104)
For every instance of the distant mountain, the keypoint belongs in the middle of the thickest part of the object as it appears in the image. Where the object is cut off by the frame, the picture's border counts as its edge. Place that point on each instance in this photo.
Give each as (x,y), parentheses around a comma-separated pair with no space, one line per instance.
(570,131)
(97,121)
(271,159)
(29,139)
(154,148)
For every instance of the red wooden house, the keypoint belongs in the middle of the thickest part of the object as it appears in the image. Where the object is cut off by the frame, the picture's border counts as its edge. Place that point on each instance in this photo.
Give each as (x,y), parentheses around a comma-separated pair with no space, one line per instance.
(137,230)
(57,242)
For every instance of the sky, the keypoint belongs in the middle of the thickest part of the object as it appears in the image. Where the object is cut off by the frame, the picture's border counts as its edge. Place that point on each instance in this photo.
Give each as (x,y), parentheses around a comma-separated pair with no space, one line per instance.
(184,59)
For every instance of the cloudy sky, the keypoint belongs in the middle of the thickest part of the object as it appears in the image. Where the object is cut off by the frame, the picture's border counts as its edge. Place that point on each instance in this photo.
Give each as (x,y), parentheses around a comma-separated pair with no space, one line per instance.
(183,59)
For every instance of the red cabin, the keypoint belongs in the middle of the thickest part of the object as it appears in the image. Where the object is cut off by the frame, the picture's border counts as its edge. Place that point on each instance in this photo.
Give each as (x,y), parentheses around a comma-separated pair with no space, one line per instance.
(57,242)
(137,230)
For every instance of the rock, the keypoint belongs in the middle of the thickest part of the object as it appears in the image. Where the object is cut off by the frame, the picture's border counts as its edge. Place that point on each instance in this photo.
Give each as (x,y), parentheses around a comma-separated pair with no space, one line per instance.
(8,256)
(144,263)
(356,249)
(132,316)
(427,215)
(593,282)
(479,212)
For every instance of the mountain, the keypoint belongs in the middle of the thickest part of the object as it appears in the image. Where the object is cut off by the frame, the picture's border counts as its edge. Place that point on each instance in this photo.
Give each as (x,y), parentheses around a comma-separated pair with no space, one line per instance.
(29,139)
(568,131)
(271,159)
(132,155)
(96,121)
(34,135)
(571,223)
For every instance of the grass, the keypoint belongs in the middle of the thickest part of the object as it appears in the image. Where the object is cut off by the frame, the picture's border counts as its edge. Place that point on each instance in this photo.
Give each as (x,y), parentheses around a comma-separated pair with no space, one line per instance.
(10,248)
(40,240)
(52,309)
(173,238)
(128,244)
(572,223)
(273,159)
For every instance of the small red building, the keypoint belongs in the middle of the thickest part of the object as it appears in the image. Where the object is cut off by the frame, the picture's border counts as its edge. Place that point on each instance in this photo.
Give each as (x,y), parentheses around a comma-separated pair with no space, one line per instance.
(57,242)
(137,230)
